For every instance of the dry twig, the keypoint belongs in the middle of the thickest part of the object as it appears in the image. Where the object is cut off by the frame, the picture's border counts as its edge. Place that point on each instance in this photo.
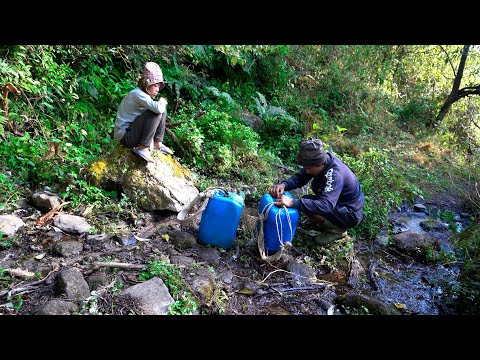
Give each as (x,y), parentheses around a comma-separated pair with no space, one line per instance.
(29,287)
(43,220)
(99,264)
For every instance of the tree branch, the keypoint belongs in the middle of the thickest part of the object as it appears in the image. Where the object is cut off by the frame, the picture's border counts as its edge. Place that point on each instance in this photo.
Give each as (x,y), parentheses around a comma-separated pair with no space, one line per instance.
(467,91)
(449,61)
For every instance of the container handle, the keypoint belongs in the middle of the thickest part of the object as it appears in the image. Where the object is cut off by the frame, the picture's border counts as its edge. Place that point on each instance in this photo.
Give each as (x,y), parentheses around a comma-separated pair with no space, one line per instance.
(183,216)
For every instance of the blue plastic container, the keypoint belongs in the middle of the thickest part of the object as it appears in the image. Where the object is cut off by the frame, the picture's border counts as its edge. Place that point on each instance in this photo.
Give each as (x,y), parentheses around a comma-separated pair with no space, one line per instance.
(276,228)
(220,219)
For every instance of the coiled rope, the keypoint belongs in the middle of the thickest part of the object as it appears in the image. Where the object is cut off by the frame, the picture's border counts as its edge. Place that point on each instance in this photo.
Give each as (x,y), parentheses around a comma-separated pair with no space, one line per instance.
(262,217)
(185,218)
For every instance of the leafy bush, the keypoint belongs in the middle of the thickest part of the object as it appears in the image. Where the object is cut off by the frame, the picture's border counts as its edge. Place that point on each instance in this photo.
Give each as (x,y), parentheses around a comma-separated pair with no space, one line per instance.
(467,291)
(215,142)
(383,185)
(415,112)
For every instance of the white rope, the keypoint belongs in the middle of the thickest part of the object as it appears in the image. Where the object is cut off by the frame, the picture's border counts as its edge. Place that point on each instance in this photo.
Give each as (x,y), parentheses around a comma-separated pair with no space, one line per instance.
(183,216)
(260,239)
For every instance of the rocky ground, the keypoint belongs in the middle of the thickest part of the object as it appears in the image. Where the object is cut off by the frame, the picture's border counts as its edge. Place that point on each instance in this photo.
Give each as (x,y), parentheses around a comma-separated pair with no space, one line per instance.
(151,264)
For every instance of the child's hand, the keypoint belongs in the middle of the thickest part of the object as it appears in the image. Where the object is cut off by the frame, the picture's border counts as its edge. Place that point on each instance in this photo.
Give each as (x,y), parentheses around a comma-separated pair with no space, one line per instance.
(162,101)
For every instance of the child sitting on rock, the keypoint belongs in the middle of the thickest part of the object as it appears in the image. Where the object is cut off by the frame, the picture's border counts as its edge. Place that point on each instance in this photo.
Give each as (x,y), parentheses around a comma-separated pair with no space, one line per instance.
(140,122)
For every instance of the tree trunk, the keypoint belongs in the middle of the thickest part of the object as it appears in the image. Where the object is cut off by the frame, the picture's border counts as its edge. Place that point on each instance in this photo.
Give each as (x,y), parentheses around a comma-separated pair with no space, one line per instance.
(454,94)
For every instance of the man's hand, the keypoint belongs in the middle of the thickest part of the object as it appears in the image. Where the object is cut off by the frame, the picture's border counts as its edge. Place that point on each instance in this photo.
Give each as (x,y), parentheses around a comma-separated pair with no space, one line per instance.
(284,200)
(277,190)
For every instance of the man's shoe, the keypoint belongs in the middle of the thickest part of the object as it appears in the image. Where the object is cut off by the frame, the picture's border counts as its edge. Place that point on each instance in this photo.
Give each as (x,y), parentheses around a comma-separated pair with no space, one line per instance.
(329,237)
(144,154)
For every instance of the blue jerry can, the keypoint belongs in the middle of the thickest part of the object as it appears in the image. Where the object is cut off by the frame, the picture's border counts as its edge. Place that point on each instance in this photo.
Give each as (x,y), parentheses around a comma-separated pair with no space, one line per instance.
(220,219)
(279,224)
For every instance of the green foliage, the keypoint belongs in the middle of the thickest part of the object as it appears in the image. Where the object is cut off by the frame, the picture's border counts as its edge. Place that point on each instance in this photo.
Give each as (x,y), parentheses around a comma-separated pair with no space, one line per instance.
(14,303)
(281,132)
(415,113)
(63,101)
(83,193)
(331,256)
(5,280)
(11,191)
(448,217)
(216,142)
(7,242)
(377,97)
(224,100)
(434,255)
(383,185)
(467,290)
(172,277)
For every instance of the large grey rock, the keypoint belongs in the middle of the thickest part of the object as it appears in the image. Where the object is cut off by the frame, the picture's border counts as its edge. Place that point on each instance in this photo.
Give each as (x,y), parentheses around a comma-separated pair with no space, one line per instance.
(9,225)
(57,307)
(152,295)
(72,224)
(375,307)
(67,248)
(45,200)
(72,283)
(302,273)
(410,241)
(182,239)
(163,185)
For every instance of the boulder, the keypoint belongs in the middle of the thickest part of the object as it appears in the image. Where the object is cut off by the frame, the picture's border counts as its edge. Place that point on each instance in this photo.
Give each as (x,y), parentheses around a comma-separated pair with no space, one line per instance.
(162,185)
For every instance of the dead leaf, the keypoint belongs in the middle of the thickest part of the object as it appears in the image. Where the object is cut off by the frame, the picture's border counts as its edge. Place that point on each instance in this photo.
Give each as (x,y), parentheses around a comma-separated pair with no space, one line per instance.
(54,149)
(45,218)
(246,292)
(40,256)
(88,210)
(276,310)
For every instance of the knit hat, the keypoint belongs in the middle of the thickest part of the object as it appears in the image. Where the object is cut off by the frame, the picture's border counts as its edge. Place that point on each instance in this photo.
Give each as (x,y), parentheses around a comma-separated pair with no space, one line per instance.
(152,74)
(311,153)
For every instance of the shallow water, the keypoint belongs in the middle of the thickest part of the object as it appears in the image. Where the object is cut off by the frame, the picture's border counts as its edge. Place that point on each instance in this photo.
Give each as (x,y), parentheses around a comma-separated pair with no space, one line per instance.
(415,287)
(412,287)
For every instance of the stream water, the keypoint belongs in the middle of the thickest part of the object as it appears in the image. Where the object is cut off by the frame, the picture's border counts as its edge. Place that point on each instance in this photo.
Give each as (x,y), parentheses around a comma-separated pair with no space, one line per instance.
(414,287)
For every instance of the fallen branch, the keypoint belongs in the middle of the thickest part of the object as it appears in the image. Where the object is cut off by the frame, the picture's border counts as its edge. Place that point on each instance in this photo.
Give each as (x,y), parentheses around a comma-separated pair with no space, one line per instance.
(43,220)
(304,288)
(293,289)
(20,273)
(29,287)
(112,264)
(273,273)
